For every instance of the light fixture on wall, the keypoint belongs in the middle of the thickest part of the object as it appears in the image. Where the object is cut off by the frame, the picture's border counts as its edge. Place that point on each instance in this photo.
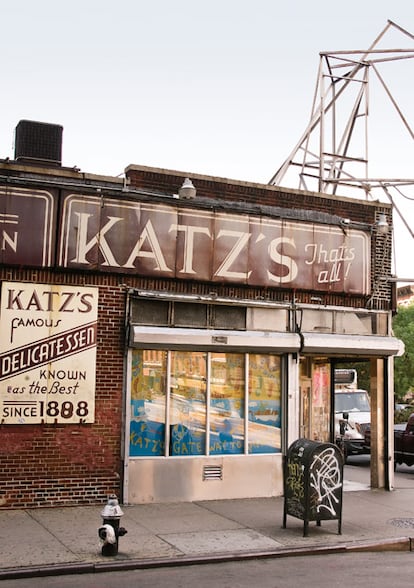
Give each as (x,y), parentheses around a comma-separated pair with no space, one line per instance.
(187,190)
(382,224)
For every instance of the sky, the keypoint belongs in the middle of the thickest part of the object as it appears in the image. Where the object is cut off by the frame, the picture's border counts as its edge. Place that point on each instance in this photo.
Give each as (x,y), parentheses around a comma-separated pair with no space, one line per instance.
(217,87)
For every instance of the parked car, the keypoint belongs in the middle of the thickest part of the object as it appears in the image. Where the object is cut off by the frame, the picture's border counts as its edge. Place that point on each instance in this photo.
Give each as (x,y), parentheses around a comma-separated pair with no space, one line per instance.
(400,406)
(403,441)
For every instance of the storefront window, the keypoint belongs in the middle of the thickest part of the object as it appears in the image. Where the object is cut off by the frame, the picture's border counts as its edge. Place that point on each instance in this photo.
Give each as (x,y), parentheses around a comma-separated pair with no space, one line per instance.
(188,403)
(204,388)
(264,404)
(227,389)
(147,429)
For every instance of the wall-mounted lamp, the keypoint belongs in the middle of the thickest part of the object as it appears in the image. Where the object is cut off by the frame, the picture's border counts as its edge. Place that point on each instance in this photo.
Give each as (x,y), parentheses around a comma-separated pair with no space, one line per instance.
(382,224)
(187,190)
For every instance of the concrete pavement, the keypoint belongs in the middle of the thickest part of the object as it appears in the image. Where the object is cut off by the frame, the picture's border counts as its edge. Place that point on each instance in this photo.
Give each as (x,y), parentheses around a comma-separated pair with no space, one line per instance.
(46,541)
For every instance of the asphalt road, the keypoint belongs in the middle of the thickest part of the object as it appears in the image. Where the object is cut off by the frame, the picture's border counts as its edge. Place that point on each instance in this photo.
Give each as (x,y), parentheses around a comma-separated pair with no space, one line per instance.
(359,570)
(358,468)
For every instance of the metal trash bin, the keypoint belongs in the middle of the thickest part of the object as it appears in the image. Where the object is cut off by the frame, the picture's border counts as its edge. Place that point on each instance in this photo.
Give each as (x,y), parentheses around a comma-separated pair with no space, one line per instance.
(313,483)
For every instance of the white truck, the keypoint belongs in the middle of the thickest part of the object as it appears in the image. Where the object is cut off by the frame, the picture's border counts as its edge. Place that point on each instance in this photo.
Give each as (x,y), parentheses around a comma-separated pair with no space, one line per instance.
(352,413)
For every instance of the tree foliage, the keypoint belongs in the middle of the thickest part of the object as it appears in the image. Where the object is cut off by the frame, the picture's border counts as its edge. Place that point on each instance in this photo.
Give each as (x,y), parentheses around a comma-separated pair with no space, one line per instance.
(403,326)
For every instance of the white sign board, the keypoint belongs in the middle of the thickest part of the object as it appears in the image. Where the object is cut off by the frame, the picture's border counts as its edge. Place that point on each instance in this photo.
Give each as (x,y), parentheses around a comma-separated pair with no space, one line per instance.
(47,353)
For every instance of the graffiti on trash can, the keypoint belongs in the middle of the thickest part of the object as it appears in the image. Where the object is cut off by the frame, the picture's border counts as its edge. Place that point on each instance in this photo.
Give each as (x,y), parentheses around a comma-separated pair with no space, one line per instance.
(295,488)
(325,480)
(294,480)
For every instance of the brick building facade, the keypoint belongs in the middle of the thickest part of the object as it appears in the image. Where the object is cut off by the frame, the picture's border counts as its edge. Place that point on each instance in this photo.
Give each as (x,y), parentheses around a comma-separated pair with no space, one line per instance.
(161,312)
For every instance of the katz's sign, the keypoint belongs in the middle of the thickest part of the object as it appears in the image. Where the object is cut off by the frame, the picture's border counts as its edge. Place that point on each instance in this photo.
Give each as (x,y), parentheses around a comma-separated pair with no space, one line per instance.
(47,353)
(168,241)
(23,215)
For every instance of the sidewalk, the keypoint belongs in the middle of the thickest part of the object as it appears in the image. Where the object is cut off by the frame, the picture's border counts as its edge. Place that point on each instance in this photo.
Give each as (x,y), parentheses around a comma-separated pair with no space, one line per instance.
(47,541)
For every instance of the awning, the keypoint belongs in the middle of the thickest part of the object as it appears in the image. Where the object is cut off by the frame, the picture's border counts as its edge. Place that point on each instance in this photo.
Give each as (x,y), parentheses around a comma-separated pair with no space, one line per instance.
(367,345)
(149,337)
(212,340)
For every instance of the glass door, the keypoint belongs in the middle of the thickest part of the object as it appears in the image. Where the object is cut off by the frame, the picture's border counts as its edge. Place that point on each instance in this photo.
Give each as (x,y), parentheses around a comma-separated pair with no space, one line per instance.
(315,406)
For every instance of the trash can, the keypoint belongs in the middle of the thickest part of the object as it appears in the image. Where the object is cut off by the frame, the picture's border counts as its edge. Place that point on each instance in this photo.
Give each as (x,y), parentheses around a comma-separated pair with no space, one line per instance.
(313,483)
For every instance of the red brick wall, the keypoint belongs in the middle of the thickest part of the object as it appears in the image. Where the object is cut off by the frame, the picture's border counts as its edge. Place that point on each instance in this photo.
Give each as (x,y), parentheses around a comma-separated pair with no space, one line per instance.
(50,465)
(169,182)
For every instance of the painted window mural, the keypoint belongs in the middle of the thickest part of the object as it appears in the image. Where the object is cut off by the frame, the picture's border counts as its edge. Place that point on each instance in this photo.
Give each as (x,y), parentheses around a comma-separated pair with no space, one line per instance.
(227,388)
(264,403)
(148,381)
(188,403)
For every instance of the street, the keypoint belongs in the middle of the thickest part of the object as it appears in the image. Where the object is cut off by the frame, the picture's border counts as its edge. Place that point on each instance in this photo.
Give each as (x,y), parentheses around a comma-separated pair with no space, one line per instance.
(358,469)
(359,570)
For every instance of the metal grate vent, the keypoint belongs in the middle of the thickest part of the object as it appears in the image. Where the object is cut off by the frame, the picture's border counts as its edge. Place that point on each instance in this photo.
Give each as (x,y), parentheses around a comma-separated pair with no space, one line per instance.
(212,473)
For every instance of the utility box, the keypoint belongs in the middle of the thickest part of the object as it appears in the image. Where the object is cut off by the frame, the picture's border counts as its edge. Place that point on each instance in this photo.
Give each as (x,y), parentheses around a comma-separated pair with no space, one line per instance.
(313,483)
(38,142)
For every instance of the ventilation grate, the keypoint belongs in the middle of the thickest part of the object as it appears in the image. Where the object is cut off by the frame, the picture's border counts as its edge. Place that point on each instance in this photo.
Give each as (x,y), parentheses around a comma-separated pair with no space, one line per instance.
(212,473)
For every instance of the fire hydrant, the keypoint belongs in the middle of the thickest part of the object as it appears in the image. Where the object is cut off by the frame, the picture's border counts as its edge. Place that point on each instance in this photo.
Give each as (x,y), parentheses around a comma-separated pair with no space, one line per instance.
(110,531)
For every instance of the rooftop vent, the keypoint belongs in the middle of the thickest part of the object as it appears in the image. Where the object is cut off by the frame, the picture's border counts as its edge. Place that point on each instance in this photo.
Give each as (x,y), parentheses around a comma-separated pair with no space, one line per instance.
(38,142)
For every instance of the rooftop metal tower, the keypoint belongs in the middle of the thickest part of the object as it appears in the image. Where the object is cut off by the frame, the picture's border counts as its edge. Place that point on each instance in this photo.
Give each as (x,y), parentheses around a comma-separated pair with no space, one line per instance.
(331,156)
(333,150)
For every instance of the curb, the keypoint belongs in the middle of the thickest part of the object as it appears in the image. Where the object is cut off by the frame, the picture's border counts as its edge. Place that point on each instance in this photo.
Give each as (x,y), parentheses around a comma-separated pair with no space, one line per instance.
(397,544)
